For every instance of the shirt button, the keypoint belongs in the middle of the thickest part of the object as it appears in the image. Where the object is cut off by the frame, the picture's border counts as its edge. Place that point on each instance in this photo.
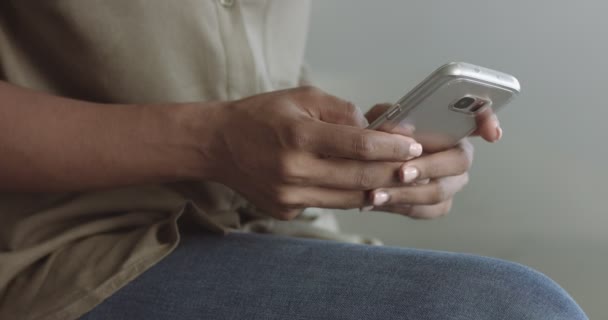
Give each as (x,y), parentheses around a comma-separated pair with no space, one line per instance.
(227,3)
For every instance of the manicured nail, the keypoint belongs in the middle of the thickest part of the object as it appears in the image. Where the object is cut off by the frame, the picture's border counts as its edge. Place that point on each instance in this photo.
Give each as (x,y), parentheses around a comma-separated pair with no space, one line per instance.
(367,209)
(380,198)
(415,149)
(498,133)
(409,174)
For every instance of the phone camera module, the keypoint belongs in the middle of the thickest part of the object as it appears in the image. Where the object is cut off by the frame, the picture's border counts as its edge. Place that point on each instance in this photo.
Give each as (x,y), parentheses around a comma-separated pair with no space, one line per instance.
(478,106)
(464,103)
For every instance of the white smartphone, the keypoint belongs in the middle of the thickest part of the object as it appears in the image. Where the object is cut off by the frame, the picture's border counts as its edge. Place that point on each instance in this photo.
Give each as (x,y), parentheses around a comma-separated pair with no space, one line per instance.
(444,108)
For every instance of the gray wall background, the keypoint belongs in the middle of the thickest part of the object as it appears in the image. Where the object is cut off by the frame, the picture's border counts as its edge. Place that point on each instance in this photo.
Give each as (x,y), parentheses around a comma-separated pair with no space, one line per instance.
(538,197)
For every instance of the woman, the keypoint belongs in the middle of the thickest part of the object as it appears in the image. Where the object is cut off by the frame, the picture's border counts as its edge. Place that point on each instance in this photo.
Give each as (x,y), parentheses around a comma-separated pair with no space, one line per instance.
(129,148)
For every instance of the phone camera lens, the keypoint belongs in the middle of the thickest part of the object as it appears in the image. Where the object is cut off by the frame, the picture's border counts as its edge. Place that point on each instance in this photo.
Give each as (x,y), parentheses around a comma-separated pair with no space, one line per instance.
(464,103)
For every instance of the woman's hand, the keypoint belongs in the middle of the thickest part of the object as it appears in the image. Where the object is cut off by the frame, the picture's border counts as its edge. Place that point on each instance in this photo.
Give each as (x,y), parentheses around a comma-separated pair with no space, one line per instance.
(288,150)
(431,181)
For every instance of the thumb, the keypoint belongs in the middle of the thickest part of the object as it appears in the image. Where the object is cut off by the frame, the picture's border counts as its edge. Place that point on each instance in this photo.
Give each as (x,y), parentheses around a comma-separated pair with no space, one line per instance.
(339,111)
(331,109)
(377,111)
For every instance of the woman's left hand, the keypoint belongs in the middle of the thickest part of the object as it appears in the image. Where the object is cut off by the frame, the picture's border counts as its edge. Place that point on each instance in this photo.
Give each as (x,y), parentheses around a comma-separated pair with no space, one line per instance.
(431,181)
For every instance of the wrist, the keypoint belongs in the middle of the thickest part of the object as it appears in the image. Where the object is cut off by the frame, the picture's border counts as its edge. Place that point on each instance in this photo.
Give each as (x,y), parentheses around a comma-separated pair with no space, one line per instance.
(196,128)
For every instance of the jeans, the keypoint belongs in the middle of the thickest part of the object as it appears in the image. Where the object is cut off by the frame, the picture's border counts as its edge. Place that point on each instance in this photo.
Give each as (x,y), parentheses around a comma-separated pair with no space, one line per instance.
(253,276)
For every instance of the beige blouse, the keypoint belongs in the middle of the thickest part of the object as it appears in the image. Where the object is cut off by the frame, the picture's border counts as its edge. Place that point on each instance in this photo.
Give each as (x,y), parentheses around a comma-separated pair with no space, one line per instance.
(62,254)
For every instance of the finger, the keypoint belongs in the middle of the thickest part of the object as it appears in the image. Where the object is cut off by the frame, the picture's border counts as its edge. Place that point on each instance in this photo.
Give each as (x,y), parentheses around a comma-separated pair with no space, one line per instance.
(331,109)
(435,192)
(282,213)
(488,126)
(481,117)
(355,143)
(269,206)
(405,129)
(420,212)
(297,197)
(339,111)
(377,111)
(432,211)
(349,174)
(452,162)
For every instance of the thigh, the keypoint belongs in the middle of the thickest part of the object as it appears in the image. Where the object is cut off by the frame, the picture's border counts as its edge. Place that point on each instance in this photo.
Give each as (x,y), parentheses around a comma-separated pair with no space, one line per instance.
(252,276)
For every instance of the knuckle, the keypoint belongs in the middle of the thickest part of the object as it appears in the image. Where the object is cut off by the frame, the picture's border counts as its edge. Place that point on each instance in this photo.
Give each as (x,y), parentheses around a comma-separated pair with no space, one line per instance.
(437,194)
(282,166)
(364,179)
(351,110)
(429,169)
(399,152)
(363,146)
(289,172)
(283,198)
(298,137)
(288,199)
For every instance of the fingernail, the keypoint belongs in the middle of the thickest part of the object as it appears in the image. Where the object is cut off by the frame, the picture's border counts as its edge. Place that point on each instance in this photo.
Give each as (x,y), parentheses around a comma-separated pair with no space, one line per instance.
(409,174)
(498,133)
(367,209)
(415,149)
(380,198)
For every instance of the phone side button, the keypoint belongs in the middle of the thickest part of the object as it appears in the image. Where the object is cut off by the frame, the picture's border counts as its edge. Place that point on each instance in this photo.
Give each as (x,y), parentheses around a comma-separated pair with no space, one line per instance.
(393,112)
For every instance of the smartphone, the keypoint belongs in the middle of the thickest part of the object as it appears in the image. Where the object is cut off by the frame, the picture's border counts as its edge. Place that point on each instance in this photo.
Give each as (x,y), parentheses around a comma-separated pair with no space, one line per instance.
(445,107)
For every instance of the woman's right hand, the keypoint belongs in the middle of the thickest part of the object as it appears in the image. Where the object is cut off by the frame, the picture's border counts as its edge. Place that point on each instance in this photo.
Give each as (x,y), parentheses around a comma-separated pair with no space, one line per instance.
(288,150)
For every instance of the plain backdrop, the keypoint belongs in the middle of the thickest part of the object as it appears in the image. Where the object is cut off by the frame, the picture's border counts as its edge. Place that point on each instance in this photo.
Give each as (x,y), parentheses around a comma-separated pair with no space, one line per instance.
(537,197)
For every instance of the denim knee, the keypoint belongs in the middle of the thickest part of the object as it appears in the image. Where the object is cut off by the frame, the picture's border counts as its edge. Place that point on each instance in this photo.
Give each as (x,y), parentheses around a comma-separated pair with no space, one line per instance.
(516,291)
